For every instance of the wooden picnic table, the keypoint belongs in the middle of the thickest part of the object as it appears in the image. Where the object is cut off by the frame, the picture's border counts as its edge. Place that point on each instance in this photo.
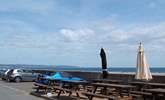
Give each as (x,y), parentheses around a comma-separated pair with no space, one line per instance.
(119,87)
(113,85)
(148,85)
(73,85)
(156,91)
(77,85)
(68,86)
(49,87)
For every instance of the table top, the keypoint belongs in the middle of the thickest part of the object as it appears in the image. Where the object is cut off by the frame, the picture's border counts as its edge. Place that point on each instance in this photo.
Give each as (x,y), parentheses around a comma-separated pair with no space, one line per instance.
(113,85)
(156,90)
(148,83)
(157,84)
(107,80)
(139,83)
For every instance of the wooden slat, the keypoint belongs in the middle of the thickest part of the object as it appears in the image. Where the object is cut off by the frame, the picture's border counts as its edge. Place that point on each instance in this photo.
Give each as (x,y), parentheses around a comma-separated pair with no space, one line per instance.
(99,95)
(42,85)
(141,93)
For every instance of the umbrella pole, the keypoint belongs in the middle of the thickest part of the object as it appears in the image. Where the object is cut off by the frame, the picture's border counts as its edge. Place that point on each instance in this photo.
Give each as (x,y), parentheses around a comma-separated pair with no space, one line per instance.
(105,74)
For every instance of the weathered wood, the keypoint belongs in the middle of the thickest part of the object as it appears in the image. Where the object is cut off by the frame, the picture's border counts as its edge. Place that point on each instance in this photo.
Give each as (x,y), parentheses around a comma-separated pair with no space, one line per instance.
(41,85)
(136,96)
(89,94)
(141,93)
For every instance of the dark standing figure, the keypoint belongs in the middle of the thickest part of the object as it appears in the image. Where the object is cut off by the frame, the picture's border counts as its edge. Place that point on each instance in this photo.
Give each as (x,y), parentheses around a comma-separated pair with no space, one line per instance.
(104,63)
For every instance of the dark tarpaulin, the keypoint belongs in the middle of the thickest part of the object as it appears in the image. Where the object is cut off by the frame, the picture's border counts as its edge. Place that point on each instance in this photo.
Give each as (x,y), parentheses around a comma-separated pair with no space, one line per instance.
(104,63)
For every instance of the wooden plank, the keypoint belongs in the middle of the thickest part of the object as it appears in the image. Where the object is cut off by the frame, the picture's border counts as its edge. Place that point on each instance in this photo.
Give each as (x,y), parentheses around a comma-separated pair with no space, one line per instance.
(113,85)
(141,93)
(89,94)
(136,96)
(156,90)
(42,85)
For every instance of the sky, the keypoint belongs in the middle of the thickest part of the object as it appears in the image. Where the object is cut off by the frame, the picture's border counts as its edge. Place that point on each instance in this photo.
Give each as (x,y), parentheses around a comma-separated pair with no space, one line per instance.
(72,32)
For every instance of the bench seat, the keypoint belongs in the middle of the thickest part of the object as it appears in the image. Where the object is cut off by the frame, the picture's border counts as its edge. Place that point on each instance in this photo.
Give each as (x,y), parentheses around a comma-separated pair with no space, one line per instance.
(141,93)
(136,95)
(41,85)
(90,95)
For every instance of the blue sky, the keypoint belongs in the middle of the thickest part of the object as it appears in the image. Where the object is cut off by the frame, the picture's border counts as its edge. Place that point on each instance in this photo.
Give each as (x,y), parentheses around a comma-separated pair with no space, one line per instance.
(71,32)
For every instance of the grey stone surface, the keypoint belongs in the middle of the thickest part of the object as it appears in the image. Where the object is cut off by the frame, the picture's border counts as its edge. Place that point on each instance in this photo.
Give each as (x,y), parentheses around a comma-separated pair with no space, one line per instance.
(16,91)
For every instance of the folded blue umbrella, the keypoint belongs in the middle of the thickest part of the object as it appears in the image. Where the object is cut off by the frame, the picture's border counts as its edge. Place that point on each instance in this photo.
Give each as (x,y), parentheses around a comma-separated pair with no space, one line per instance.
(58,75)
(72,79)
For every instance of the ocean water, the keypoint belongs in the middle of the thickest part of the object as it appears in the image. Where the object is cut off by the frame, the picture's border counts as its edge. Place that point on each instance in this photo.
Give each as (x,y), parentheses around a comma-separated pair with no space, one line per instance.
(64,67)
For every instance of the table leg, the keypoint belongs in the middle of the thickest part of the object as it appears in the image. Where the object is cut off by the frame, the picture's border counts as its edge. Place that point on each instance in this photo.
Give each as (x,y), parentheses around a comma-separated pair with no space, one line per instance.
(77,94)
(119,91)
(95,88)
(70,93)
(155,96)
(129,90)
(77,89)
(104,91)
(48,89)
(94,91)
(163,96)
(58,95)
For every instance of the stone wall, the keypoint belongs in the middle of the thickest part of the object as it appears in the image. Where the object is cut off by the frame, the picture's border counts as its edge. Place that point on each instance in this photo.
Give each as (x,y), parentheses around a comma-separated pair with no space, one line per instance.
(124,76)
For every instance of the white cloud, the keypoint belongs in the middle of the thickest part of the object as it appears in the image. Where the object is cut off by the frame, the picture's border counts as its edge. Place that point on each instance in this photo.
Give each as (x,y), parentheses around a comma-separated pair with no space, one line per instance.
(115,35)
(106,34)
(76,35)
(119,35)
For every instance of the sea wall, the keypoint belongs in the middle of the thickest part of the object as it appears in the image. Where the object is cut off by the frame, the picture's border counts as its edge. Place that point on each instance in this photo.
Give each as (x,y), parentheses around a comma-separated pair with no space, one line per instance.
(124,76)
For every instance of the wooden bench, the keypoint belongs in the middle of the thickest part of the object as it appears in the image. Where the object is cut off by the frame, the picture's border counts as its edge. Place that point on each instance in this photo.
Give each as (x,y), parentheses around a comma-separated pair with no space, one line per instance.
(91,95)
(140,94)
(39,86)
(62,90)
(46,87)
(136,96)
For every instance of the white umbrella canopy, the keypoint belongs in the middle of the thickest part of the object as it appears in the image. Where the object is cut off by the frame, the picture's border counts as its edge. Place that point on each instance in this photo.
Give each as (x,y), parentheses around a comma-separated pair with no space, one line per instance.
(142,67)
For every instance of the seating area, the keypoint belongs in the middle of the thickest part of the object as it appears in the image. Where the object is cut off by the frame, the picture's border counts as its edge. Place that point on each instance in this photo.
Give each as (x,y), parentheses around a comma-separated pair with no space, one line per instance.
(98,89)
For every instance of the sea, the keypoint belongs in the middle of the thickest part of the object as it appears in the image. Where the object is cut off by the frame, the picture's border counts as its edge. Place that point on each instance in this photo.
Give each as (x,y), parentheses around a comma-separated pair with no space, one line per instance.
(76,68)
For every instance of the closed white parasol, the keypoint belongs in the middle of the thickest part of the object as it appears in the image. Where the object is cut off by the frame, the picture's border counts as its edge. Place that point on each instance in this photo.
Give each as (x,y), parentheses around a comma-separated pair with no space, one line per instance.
(142,67)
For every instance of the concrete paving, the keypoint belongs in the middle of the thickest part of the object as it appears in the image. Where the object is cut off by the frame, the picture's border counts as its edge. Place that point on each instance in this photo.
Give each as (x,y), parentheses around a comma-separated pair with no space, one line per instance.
(20,91)
(16,91)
